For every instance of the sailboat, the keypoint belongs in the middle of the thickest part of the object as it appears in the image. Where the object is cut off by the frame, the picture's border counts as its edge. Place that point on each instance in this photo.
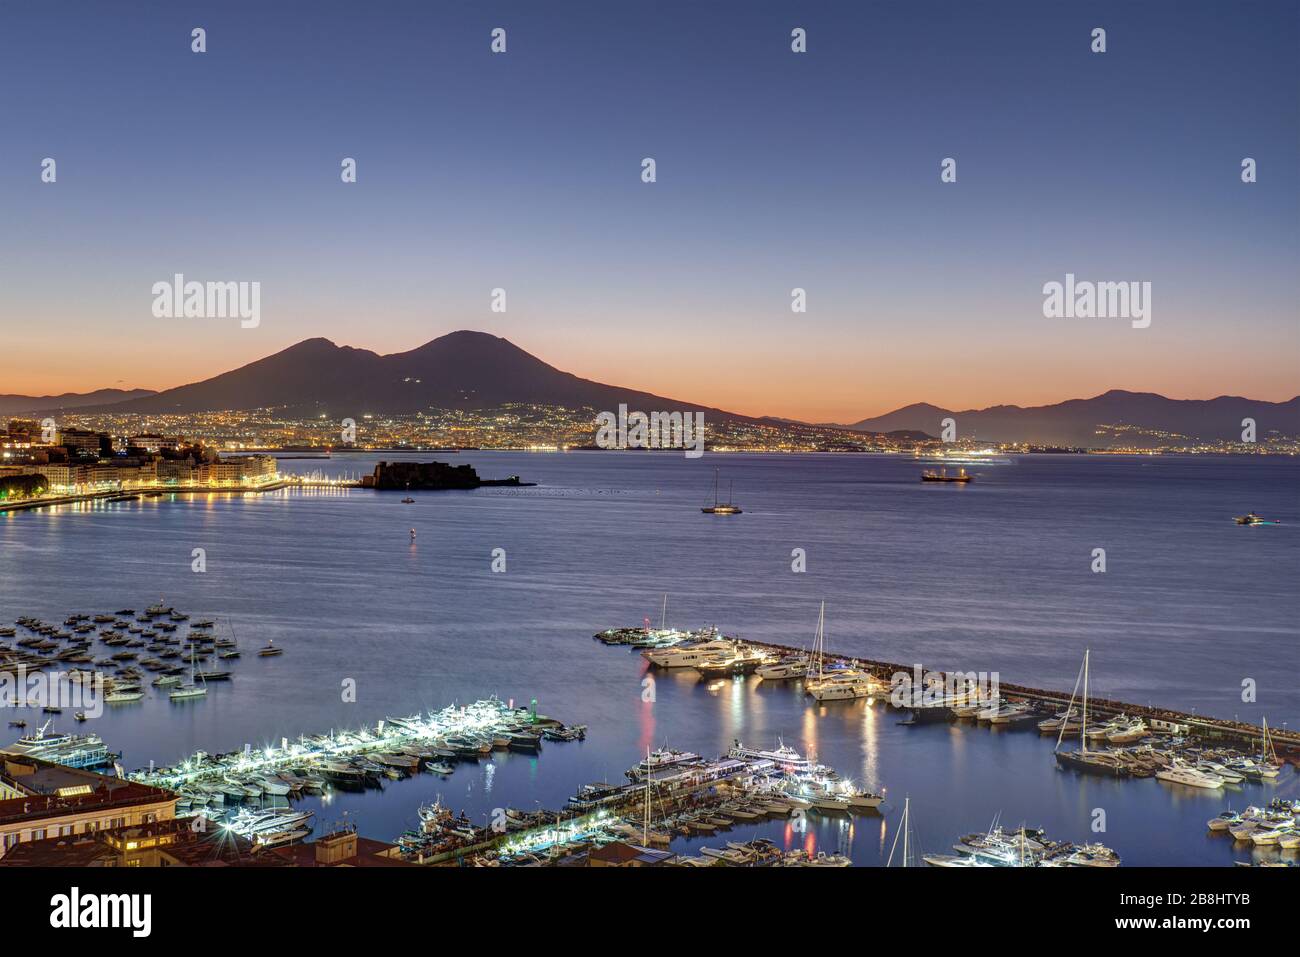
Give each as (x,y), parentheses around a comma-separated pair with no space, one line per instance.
(1089,762)
(191,690)
(905,832)
(720,508)
(837,684)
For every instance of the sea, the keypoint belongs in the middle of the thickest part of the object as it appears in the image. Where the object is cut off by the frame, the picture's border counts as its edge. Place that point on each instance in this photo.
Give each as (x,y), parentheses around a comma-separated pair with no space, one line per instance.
(385,608)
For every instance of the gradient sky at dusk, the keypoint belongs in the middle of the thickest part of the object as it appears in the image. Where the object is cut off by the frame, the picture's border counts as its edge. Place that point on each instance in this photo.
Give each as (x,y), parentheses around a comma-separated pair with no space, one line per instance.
(775,170)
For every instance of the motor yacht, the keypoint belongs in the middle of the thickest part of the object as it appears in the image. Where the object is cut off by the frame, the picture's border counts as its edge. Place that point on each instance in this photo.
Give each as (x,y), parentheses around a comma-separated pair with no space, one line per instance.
(690,655)
(1182,773)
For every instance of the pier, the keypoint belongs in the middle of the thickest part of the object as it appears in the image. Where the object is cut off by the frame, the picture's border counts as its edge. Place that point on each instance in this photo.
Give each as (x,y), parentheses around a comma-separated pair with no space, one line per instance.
(1239,733)
(471,728)
(157,491)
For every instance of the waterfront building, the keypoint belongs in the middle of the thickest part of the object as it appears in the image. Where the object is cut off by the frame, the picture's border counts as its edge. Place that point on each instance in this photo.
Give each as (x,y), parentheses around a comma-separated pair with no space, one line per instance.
(57,801)
(176,842)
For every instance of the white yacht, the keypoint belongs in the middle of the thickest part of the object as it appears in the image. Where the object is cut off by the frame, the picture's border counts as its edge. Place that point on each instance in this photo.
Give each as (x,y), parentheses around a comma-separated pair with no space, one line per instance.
(658,760)
(783,756)
(833,685)
(690,656)
(1228,775)
(1180,773)
(1127,730)
(841,686)
(785,669)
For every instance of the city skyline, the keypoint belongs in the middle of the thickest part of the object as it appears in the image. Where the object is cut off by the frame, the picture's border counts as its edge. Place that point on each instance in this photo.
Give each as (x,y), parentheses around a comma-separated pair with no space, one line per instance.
(775,171)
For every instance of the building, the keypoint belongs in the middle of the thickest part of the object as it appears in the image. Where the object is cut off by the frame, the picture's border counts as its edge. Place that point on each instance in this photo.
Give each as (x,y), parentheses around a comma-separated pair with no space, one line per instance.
(619,854)
(341,848)
(176,842)
(55,801)
(237,470)
(85,443)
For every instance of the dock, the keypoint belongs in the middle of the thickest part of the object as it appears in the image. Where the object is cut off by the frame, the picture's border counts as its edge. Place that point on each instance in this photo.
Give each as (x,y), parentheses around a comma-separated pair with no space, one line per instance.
(1286,742)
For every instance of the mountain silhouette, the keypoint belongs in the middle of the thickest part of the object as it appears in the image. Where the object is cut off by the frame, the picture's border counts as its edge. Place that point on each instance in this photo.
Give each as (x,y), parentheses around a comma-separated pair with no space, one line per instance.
(15,404)
(1133,418)
(460,370)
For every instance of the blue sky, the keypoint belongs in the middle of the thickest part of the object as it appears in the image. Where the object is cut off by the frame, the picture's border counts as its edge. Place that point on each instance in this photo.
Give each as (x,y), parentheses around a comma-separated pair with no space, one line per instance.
(775,170)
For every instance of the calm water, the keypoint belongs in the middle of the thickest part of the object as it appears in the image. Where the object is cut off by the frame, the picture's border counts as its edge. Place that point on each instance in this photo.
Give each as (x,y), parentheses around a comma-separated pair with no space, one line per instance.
(991,577)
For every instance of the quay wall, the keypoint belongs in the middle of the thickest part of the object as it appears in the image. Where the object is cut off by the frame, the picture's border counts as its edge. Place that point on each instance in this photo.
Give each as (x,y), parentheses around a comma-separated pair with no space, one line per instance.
(1287,743)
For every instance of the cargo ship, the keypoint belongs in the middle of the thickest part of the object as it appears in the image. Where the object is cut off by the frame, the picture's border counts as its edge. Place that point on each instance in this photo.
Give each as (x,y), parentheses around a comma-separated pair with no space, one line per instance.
(930,475)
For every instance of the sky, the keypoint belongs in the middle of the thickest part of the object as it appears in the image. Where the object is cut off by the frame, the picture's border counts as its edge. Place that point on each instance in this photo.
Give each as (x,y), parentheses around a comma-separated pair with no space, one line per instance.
(775,170)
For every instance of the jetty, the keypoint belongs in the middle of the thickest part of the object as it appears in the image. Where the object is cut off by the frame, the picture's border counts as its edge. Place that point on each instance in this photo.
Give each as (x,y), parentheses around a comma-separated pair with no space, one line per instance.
(1286,742)
(463,732)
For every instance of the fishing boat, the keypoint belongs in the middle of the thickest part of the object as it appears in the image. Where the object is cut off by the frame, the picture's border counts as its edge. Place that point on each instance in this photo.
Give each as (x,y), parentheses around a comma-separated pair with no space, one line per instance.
(720,508)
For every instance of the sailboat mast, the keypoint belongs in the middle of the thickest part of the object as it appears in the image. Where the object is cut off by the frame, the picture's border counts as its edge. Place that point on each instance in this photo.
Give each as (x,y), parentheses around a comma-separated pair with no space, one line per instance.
(663,617)
(1069,710)
(1083,733)
(819,642)
(645,829)
(907,810)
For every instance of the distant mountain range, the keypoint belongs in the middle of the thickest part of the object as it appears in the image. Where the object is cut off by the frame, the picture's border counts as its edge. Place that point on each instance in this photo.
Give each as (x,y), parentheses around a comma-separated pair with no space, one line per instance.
(459,370)
(1115,418)
(474,370)
(16,404)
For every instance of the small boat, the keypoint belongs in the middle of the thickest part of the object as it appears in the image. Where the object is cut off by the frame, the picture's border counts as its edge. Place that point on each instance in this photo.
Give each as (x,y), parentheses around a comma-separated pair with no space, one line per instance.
(80,716)
(125,696)
(269,651)
(17,724)
(1250,518)
(408,501)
